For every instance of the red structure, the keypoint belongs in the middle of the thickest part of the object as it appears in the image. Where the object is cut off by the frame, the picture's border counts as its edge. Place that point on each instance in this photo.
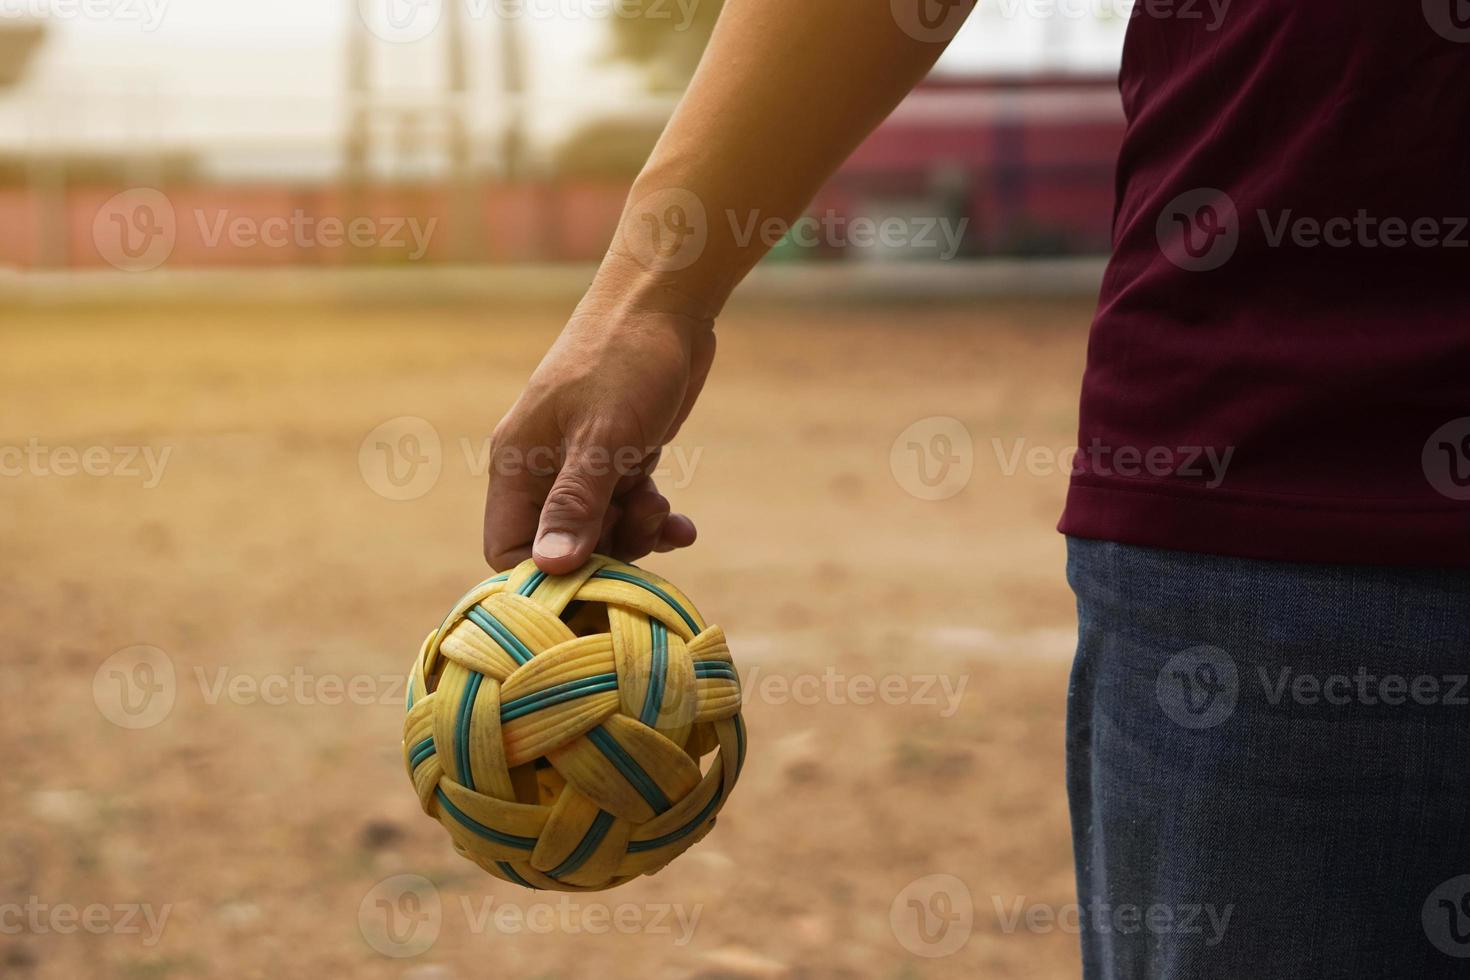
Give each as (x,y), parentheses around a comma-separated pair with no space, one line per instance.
(1028,160)
(1020,166)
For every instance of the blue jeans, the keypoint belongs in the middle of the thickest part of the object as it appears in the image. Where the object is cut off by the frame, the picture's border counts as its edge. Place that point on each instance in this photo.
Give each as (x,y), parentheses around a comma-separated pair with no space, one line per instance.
(1269,768)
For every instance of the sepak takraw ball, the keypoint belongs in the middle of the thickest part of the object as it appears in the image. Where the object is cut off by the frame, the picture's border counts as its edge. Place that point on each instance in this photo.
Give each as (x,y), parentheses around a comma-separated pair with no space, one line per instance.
(573,732)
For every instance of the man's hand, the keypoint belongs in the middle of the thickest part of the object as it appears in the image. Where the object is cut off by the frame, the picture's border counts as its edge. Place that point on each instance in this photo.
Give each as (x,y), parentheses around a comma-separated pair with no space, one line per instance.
(784,93)
(571,465)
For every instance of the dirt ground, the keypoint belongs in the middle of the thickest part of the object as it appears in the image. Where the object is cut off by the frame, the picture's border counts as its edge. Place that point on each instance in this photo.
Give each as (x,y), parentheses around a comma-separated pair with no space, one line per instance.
(256,818)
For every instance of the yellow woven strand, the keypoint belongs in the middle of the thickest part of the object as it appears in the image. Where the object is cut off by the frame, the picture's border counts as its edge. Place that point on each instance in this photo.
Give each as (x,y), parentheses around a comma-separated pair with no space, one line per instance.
(556,725)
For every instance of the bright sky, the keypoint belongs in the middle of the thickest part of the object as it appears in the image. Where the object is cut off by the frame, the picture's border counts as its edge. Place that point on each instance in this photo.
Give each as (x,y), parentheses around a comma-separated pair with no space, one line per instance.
(247,80)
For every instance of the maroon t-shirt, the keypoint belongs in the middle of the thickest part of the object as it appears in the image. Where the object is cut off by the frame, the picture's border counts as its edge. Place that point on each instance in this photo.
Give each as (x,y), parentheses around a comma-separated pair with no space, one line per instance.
(1280,363)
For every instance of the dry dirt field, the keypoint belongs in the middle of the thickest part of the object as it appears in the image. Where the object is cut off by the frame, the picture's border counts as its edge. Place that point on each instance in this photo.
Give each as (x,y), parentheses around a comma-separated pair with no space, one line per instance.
(246,826)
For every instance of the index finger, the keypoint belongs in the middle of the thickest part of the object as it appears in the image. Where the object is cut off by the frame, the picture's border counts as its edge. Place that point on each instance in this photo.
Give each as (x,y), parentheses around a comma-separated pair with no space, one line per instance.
(518,483)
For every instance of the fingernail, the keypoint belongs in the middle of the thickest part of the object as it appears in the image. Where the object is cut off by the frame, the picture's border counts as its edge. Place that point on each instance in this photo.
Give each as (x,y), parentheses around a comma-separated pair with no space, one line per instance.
(654,524)
(556,544)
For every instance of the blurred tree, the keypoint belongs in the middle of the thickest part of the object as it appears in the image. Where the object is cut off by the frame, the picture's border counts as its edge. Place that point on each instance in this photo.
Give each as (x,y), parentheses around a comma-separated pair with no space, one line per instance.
(19,40)
(664,39)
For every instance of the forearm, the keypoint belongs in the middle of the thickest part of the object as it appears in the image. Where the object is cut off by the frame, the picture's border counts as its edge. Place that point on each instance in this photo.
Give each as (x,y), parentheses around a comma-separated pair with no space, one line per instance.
(786,90)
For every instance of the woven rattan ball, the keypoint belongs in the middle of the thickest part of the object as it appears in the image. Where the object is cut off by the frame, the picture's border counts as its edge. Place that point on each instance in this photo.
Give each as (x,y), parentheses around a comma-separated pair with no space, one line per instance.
(558,726)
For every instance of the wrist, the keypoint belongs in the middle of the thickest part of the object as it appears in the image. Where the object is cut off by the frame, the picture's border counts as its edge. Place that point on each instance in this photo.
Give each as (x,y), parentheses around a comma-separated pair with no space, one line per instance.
(626,288)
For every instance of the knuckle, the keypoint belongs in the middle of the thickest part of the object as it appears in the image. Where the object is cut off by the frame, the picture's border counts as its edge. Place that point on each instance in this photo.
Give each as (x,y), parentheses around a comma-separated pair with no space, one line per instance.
(499,436)
(509,454)
(571,500)
(498,557)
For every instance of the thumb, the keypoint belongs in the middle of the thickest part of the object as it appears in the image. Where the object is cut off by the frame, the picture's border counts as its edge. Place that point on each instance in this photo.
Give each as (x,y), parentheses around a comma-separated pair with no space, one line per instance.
(571,518)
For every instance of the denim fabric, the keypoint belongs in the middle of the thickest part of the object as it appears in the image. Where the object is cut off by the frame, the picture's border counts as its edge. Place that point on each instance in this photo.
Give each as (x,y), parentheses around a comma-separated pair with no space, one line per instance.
(1269,767)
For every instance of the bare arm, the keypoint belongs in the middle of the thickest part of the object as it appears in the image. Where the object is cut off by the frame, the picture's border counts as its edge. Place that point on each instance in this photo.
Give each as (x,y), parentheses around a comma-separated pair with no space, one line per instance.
(786,90)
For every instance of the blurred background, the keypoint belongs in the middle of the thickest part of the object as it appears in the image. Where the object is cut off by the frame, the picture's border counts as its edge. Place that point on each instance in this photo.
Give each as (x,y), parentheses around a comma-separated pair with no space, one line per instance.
(269,274)
(512,126)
